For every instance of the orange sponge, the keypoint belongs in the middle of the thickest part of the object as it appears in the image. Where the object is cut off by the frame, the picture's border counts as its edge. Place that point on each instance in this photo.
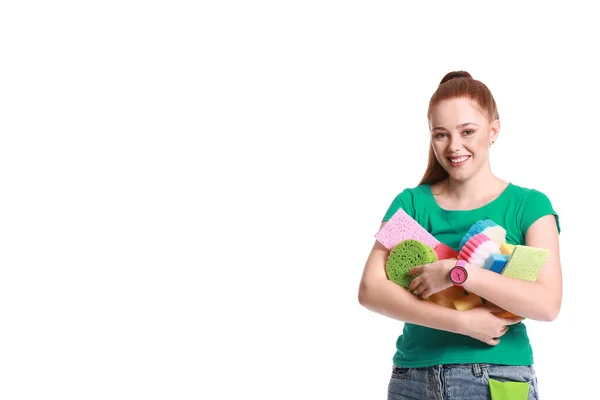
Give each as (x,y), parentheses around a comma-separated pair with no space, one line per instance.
(468,302)
(502,314)
(446,297)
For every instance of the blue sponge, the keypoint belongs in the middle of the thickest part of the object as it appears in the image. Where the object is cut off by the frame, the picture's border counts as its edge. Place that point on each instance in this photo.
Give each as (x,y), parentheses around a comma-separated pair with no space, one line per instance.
(496,262)
(476,228)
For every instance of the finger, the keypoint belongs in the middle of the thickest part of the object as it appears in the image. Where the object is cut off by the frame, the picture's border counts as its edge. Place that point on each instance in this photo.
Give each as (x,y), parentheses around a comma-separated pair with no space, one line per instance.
(419,289)
(492,342)
(424,290)
(502,332)
(415,283)
(426,293)
(415,270)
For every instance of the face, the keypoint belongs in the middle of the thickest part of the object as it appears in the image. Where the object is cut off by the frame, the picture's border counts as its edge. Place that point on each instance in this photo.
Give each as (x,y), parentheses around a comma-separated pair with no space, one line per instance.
(460,136)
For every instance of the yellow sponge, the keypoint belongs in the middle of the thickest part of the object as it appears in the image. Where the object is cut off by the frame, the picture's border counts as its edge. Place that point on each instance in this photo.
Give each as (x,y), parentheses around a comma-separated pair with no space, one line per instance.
(525,263)
(506,248)
(468,302)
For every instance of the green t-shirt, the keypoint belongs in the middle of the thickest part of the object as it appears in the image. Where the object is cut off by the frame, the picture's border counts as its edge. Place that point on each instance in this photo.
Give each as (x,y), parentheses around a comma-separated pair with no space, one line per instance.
(515,210)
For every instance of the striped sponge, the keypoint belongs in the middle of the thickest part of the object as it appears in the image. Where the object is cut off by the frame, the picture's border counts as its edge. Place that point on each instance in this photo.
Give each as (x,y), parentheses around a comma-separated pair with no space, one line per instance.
(525,262)
(405,256)
(477,250)
(402,227)
(489,228)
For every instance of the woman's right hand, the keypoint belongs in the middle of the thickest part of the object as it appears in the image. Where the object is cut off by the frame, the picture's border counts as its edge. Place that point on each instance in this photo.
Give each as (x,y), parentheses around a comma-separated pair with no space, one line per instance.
(480,323)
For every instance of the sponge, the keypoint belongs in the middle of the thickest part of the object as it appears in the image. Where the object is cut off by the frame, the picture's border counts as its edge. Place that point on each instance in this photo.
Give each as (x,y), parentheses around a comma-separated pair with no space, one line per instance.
(405,256)
(507,314)
(525,262)
(507,248)
(445,252)
(468,302)
(503,313)
(508,390)
(478,249)
(489,228)
(496,233)
(496,262)
(402,227)
(446,297)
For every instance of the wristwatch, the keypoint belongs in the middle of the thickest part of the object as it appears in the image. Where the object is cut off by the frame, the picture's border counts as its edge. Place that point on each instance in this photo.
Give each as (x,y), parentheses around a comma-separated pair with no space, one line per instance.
(458,274)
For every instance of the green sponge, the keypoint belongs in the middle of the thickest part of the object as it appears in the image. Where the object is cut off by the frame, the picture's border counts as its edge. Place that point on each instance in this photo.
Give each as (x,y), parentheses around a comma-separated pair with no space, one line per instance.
(406,255)
(525,262)
(508,390)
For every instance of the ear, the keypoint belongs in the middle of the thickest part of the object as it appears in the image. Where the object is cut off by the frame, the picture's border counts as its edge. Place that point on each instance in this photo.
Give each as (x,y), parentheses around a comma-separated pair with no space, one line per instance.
(494,130)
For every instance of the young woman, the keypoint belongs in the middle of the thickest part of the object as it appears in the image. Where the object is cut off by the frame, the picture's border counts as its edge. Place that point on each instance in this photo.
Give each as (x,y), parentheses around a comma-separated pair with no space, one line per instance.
(444,353)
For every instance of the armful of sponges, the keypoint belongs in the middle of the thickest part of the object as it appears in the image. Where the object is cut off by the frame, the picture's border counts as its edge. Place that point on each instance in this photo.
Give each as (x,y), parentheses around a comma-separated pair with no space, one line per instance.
(530,284)
(378,294)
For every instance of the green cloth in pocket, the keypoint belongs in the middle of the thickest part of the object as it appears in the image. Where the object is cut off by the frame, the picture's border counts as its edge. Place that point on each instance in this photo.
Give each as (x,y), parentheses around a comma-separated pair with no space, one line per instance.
(509,390)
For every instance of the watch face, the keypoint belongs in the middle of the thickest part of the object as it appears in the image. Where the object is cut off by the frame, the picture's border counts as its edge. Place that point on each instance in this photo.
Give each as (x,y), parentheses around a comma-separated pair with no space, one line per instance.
(458,275)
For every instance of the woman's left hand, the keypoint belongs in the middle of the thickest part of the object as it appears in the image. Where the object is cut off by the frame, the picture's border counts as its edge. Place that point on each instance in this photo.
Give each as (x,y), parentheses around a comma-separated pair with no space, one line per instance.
(433,278)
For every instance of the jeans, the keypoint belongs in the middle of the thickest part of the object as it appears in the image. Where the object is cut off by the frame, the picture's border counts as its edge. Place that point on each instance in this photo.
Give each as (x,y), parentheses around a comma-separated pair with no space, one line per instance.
(456,381)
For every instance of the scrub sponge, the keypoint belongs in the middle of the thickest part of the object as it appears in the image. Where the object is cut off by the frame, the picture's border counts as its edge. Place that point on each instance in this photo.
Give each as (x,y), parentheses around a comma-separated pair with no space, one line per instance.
(402,227)
(496,233)
(478,249)
(405,256)
(489,228)
(525,262)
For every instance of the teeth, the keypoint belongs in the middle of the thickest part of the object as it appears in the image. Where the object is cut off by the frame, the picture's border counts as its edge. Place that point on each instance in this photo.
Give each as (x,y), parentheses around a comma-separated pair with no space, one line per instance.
(459,159)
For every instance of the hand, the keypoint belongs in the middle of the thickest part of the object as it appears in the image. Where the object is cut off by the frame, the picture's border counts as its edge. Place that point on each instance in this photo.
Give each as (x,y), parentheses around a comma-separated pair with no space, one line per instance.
(480,323)
(433,278)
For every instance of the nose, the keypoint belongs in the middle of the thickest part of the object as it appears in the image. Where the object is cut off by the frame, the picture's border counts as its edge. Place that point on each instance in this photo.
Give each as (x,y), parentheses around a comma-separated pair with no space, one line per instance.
(455,144)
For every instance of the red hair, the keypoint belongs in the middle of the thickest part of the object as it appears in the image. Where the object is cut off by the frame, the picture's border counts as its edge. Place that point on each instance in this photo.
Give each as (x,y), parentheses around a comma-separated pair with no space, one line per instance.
(457,84)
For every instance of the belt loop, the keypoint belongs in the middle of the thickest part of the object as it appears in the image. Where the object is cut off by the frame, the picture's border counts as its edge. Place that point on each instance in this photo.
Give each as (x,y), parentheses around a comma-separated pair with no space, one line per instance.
(477,369)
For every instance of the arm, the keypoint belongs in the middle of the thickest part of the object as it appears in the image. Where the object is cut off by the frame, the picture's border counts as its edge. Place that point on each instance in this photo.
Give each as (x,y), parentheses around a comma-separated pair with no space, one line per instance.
(539,300)
(383,296)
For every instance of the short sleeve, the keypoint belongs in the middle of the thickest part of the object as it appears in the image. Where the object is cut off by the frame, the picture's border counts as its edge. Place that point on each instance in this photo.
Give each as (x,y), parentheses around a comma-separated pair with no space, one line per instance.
(405,201)
(537,205)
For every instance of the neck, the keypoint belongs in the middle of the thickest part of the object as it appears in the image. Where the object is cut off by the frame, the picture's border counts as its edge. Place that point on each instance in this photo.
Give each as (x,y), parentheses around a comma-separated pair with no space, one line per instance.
(476,188)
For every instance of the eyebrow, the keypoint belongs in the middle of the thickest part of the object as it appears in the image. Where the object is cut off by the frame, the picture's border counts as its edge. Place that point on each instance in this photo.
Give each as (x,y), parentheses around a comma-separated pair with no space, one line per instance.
(457,127)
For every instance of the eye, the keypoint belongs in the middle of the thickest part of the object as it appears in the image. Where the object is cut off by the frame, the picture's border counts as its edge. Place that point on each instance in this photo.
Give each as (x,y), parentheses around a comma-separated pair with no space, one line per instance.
(468,132)
(439,135)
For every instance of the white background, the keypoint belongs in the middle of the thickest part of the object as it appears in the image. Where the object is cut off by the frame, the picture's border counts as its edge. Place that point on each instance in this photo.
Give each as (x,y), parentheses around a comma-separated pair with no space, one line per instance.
(188,193)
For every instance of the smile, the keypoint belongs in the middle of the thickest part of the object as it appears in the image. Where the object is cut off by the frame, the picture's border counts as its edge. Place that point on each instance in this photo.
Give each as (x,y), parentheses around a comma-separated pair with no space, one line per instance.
(458,161)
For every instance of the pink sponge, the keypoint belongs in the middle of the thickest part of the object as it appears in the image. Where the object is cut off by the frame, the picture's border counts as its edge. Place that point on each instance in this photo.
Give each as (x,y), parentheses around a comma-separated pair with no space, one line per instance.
(477,250)
(403,227)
